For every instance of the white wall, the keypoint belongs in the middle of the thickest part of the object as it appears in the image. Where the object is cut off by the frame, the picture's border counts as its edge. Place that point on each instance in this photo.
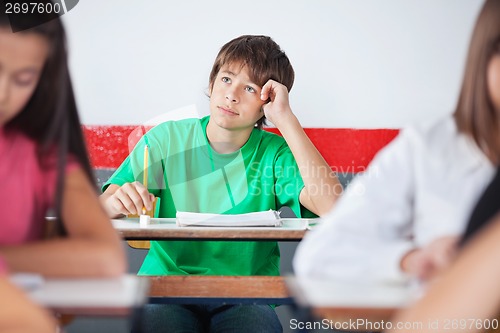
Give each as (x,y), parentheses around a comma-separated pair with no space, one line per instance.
(358,63)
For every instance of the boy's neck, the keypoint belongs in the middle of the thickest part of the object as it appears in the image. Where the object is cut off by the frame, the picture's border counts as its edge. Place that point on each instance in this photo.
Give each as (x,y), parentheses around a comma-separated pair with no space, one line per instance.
(226,141)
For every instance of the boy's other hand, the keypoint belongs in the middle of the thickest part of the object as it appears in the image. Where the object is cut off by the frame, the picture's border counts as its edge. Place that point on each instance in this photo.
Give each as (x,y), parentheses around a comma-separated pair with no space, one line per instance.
(127,199)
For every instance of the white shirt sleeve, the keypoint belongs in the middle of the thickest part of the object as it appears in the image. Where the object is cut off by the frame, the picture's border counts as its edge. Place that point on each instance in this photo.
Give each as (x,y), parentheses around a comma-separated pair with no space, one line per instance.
(370,228)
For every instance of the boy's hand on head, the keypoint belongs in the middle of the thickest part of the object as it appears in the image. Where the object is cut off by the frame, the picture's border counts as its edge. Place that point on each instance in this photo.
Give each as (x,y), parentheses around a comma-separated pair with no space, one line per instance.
(277,110)
(129,198)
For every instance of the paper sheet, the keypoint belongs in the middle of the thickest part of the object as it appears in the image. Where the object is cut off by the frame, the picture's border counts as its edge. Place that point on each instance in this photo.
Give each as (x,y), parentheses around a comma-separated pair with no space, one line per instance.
(268,218)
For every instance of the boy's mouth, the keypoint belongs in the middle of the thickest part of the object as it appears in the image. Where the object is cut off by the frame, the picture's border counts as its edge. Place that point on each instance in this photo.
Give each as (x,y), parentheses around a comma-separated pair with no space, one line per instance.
(228,110)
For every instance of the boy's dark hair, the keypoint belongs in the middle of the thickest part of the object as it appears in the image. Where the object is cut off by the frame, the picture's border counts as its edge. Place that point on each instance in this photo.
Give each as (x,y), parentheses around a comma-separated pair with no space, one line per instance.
(263,57)
(50,117)
(475,113)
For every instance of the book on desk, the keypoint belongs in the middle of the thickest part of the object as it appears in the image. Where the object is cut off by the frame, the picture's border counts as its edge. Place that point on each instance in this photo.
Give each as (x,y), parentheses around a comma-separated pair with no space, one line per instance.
(269,218)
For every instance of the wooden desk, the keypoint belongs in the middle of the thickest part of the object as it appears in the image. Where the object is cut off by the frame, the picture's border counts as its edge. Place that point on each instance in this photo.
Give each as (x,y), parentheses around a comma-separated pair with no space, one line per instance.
(91,297)
(189,289)
(343,302)
(166,229)
(218,289)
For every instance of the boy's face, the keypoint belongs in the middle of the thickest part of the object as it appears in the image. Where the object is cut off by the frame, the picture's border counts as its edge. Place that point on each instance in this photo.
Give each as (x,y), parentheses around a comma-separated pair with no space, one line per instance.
(235,100)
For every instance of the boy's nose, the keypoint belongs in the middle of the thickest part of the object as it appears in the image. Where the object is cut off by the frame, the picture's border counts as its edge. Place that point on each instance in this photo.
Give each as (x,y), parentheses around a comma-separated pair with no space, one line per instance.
(231,96)
(231,99)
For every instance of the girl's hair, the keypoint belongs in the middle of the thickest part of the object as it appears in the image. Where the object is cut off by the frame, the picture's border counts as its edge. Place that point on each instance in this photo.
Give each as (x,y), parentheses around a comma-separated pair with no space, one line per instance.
(475,114)
(263,57)
(50,117)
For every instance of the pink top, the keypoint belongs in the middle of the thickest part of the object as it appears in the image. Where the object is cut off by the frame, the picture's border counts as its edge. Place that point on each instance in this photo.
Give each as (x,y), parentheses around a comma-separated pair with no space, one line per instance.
(26,192)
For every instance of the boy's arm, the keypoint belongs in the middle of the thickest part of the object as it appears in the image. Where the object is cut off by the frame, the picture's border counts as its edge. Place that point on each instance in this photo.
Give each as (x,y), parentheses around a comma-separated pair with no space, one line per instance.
(321,185)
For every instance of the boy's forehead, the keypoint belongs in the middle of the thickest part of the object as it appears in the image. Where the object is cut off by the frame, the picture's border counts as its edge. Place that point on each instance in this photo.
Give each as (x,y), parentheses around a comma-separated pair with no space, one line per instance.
(237,69)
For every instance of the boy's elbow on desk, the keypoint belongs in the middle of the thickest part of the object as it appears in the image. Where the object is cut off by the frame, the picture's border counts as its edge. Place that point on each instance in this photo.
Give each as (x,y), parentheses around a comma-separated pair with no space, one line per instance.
(326,206)
(319,205)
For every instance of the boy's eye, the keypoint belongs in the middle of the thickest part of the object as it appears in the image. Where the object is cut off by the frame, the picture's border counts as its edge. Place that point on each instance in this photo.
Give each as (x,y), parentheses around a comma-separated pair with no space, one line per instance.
(226,79)
(250,89)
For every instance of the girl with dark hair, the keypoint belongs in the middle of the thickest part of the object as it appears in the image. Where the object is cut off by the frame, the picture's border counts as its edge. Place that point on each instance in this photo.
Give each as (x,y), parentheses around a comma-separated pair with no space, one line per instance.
(44,162)
(404,216)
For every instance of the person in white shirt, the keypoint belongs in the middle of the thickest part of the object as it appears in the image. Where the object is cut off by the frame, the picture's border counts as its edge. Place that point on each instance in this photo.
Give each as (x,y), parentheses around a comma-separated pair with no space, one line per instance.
(466,297)
(403,216)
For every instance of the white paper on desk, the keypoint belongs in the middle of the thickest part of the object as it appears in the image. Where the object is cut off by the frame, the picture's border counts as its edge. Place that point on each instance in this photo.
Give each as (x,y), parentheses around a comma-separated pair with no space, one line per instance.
(270,218)
(124,291)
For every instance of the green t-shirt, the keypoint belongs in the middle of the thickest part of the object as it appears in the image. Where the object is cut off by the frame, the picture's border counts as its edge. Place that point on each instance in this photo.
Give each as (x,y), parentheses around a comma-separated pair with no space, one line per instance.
(188,175)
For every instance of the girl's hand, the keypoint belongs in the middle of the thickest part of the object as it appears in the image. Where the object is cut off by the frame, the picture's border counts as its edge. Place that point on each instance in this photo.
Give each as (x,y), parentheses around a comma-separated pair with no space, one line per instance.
(130,198)
(277,110)
(427,262)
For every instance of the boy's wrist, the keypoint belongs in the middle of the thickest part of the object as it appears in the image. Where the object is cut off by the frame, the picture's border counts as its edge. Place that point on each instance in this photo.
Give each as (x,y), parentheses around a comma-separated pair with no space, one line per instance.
(286,120)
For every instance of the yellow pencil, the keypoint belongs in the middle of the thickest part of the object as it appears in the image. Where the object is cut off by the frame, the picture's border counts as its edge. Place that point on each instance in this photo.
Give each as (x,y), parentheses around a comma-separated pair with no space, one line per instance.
(145,175)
